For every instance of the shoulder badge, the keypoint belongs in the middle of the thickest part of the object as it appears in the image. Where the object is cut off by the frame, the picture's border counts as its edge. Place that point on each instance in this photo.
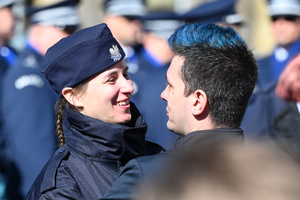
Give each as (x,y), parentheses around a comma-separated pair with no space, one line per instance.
(115,54)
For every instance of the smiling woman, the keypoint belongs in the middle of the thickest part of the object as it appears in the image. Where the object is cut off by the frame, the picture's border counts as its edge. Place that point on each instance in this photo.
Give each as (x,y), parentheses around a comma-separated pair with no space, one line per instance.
(99,129)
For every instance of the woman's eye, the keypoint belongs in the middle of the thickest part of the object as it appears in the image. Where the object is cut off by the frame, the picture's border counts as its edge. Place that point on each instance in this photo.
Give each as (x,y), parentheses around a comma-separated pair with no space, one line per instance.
(126,76)
(111,80)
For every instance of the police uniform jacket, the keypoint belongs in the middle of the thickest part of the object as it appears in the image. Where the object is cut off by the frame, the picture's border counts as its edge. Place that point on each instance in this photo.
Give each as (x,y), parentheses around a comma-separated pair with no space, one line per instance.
(138,172)
(89,161)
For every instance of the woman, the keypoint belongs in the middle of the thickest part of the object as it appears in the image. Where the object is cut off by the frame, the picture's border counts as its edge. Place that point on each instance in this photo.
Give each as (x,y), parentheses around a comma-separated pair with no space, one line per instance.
(99,130)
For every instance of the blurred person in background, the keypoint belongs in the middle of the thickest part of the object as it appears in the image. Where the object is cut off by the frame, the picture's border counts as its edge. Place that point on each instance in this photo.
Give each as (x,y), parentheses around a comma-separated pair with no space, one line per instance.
(260,171)
(7,58)
(269,115)
(27,100)
(285,16)
(275,112)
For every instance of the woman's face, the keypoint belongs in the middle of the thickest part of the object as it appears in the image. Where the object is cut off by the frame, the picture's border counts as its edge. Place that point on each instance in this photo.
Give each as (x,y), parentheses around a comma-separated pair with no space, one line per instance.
(107,95)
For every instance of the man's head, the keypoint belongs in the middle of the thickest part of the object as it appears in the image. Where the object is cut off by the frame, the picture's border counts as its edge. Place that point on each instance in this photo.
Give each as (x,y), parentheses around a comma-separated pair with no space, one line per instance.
(210,79)
(285,15)
(7,21)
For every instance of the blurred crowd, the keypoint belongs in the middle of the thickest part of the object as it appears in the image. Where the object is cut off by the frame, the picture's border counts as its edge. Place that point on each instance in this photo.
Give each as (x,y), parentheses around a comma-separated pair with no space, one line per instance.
(29,27)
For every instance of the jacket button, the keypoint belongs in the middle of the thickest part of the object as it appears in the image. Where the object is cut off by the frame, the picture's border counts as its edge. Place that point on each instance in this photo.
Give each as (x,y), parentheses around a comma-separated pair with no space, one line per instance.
(61,150)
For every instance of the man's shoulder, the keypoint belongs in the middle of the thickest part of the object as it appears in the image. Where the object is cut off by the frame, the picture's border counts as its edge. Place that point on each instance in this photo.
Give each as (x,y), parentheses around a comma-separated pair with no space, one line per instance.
(150,163)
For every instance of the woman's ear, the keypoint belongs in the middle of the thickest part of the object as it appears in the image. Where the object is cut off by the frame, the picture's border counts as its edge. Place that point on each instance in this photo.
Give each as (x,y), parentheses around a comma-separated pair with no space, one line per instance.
(73,98)
(200,102)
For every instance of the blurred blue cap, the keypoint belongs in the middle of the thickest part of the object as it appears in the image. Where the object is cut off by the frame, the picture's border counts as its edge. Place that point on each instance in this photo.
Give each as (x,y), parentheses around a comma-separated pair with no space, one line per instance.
(284,7)
(80,56)
(213,11)
(130,8)
(6,3)
(54,13)
(161,23)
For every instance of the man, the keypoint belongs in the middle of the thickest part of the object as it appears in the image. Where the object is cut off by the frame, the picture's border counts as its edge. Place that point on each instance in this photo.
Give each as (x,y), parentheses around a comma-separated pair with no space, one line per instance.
(209,83)
(28,99)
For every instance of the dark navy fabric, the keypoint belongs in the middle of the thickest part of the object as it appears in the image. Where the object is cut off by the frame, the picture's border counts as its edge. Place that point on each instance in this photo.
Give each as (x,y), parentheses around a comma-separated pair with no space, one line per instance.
(27,102)
(138,172)
(89,162)
(149,81)
(213,11)
(7,58)
(273,117)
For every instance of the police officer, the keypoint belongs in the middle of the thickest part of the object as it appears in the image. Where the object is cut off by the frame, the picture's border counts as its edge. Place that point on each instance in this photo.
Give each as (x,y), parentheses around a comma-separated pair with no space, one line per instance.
(99,129)
(28,99)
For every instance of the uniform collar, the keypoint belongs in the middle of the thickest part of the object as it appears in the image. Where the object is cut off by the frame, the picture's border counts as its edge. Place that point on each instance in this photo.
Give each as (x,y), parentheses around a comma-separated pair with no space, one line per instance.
(105,141)
(211,136)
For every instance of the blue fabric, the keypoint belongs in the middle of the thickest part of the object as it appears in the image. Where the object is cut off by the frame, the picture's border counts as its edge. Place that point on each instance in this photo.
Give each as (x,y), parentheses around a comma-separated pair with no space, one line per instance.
(27,102)
(278,66)
(270,68)
(10,56)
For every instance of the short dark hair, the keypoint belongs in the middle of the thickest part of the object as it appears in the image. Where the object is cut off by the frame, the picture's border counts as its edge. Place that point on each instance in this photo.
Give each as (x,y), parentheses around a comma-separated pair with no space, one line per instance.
(217,61)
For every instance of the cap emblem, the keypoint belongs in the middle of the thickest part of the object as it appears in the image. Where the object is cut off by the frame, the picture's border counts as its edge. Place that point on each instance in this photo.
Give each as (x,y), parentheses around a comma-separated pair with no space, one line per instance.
(115,54)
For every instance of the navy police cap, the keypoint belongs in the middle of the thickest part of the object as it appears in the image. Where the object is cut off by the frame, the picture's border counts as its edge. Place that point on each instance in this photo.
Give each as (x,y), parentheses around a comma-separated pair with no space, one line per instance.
(80,56)
(213,11)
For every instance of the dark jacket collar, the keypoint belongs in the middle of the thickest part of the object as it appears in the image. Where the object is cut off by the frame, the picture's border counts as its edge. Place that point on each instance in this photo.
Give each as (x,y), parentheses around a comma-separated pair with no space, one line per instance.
(211,136)
(105,141)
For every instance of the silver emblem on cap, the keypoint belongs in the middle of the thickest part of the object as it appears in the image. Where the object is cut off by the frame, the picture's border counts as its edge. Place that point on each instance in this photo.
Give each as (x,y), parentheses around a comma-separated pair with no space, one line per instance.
(115,54)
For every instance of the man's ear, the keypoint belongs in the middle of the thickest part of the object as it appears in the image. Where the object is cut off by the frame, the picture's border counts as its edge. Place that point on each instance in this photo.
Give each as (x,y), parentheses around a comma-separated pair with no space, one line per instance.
(73,98)
(200,102)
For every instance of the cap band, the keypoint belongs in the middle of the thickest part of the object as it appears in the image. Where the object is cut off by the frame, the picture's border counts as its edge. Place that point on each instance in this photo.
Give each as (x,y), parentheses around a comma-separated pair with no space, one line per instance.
(123,8)
(4,3)
(66,16)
